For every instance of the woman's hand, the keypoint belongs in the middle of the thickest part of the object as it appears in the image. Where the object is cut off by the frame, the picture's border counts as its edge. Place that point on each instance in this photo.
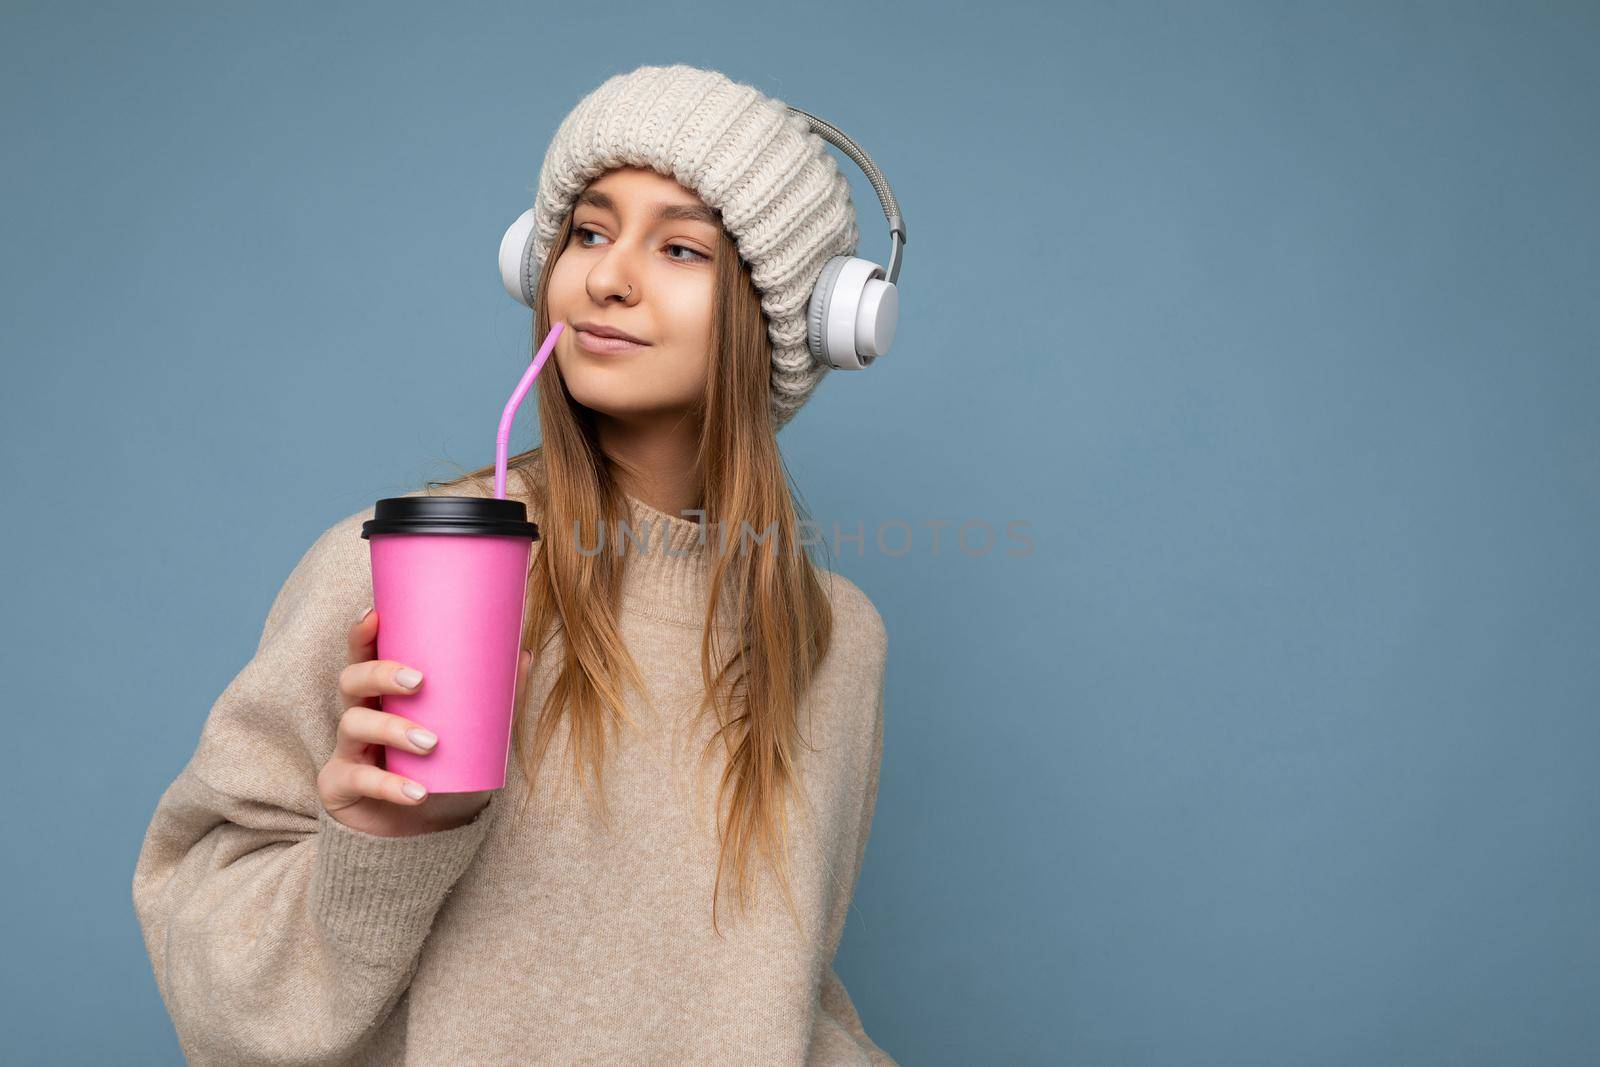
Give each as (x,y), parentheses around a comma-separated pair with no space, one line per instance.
(354,789)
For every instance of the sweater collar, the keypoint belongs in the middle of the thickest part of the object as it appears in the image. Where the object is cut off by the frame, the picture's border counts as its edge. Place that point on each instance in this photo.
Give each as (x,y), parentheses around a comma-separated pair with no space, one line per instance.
(667,565)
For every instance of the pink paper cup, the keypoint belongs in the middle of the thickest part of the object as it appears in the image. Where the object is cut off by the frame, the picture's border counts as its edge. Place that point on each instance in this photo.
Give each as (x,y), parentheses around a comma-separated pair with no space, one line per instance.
(449,576)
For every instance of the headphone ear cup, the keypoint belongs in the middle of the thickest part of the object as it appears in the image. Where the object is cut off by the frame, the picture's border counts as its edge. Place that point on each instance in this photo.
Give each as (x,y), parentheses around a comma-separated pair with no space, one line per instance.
(514,248)
(851,320)
(817,313)
(877,314)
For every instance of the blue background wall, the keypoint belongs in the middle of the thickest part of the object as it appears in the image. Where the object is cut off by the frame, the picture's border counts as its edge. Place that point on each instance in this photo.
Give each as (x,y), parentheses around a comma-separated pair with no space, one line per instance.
(1277,324)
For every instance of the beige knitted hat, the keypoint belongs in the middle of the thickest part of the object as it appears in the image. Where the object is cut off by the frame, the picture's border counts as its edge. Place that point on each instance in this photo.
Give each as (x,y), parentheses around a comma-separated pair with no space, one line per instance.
(781,195)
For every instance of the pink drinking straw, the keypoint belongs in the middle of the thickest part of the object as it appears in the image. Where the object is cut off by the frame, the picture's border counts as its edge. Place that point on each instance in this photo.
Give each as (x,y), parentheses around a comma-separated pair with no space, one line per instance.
(502,439)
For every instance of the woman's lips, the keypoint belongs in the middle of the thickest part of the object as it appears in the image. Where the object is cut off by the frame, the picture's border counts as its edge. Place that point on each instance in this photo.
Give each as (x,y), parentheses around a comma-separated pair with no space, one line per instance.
(593,342)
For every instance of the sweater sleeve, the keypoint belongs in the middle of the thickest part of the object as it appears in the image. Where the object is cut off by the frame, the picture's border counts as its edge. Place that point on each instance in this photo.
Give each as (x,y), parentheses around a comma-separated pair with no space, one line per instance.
(276,933)
(843,1038)
(835,1000)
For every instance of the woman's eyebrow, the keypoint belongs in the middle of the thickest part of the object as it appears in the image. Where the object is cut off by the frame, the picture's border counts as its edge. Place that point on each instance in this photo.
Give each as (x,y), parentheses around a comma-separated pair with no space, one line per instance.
(689,212)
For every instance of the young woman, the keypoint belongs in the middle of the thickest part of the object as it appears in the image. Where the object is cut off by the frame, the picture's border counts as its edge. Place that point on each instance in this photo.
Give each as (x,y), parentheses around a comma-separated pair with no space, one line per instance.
(700,707)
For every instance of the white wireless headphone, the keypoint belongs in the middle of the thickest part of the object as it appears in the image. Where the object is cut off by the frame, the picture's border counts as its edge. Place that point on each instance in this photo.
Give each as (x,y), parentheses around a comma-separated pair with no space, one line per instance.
(854,305)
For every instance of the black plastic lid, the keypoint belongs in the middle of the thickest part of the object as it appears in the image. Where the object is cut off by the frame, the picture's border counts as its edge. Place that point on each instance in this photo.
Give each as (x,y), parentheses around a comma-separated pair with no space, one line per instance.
(476,515)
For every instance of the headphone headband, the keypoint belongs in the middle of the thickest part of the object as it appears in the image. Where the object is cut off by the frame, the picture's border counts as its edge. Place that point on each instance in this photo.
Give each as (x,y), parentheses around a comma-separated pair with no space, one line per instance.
(880,184)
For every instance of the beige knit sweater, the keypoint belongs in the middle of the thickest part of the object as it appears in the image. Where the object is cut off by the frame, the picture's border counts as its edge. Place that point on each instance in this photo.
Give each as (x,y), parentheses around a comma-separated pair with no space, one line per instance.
(279,935)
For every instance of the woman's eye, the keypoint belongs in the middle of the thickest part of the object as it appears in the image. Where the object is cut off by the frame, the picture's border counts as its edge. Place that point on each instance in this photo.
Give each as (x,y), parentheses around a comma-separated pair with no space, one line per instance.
(691,251)
(580,232)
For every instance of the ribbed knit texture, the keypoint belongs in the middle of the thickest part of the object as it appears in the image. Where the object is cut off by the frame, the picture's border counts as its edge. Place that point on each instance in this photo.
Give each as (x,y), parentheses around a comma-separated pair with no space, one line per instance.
(279,935)
(782,196)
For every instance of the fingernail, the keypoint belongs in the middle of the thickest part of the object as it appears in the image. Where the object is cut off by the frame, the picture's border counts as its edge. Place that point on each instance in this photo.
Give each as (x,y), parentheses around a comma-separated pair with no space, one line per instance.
(413,790)
(364,614)
(408,677)
(421,738)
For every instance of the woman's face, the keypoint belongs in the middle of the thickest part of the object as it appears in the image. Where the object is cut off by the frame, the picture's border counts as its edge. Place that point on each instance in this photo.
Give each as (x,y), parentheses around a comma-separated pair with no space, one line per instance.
(620,240)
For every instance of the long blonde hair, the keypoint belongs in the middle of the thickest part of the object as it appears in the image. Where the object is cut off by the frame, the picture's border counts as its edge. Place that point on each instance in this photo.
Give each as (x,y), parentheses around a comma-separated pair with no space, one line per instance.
(784,622)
